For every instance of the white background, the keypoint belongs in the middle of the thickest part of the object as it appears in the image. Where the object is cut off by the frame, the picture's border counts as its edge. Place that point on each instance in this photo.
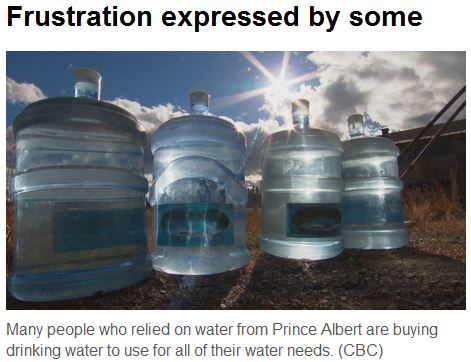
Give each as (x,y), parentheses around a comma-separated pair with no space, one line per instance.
(445,27)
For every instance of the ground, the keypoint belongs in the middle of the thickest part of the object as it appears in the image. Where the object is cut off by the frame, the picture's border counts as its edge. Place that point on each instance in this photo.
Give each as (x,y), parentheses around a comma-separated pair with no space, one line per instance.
(429,274)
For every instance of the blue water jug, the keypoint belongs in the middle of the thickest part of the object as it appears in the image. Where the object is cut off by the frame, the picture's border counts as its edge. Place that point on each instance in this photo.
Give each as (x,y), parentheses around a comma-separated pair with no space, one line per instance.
(79,191)
(302,190)
(198,193)
(372,202)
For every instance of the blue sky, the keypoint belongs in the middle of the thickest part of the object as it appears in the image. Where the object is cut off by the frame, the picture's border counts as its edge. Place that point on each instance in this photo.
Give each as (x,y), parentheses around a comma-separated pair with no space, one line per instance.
(155,77)
(398,90)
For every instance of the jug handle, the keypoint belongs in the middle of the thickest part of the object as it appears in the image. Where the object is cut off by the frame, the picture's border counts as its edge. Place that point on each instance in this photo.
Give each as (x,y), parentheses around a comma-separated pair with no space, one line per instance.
(192,166)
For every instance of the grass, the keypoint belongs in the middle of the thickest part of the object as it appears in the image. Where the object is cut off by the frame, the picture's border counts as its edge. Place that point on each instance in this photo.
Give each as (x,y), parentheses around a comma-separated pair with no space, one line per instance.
(254,225)
(430,203)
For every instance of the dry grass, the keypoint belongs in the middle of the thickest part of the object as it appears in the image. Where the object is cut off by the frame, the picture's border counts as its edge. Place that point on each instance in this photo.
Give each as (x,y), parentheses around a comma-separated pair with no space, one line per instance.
(430,203)
(150,229)
(9,236)
(444,237)
(254,225)
(437,222)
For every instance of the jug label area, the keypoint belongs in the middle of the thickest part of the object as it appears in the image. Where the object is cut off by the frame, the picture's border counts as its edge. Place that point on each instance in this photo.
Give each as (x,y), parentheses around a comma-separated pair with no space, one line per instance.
(86,89)
(195,225)
(313,220)
(77,230)
(376,209)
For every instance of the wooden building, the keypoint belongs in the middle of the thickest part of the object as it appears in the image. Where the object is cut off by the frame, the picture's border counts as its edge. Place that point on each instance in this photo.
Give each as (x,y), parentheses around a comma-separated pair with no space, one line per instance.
(443,163)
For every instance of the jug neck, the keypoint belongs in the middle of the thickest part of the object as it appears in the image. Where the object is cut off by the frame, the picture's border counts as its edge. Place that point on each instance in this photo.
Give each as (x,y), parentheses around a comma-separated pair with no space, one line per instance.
(87,83)
(300,121)
(356,128)
(300,113)
(199,109)
(199,102)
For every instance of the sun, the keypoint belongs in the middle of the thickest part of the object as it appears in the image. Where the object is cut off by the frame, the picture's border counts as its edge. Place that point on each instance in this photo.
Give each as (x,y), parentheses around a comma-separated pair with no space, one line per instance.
(280,88)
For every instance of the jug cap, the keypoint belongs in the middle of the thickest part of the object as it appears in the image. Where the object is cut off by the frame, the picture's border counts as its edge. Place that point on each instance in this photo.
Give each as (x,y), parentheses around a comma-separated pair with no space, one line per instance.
(355,125)
(300,112)
(87,83)
(199,101)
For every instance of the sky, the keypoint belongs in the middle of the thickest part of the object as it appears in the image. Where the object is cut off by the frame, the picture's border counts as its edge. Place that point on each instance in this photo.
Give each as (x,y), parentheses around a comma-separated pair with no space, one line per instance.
(398,90)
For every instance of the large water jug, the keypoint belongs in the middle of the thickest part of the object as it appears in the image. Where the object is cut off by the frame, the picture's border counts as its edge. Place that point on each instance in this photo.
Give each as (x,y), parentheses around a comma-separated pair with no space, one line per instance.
(302,190)
(372,203)
(79,190)
(199,193)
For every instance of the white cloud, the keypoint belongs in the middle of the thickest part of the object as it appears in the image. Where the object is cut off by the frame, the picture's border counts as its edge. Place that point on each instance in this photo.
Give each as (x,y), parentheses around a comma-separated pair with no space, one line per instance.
(23,92)
(400,90)
(255,134)
(280,108)
(253,179)
(149,117)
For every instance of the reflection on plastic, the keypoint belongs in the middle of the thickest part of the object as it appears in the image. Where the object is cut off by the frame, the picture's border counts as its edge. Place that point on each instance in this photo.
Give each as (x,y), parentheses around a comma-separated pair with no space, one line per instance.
(199,194)
(302,191)
(372,203)
(80,223)
(195,225)
(305,220)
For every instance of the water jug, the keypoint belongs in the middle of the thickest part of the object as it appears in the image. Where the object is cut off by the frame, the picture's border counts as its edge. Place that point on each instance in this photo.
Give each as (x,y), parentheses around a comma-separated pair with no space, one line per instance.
(79,191)
(302,190)
(372,203)
(198,193)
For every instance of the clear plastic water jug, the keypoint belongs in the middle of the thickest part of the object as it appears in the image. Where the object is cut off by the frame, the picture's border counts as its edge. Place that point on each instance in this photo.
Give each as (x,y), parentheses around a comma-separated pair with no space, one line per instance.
(302,191)
(199,193)
(372,203)
(79,190)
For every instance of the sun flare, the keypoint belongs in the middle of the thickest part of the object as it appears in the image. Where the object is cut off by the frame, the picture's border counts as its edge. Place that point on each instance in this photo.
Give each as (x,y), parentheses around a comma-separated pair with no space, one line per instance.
(278,86)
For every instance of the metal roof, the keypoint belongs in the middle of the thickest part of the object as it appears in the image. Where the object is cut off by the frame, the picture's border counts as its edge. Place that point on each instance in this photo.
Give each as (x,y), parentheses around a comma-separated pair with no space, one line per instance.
(456,127)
